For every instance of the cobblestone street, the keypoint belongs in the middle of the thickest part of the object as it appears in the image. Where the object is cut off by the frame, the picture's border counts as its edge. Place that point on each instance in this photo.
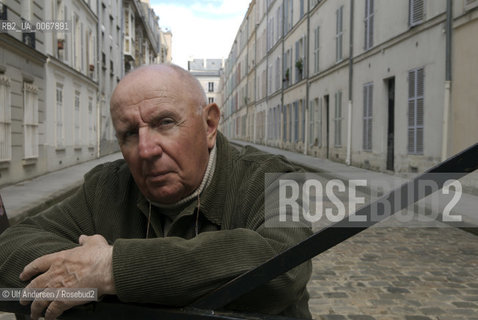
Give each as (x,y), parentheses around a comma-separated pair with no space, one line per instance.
(398,273)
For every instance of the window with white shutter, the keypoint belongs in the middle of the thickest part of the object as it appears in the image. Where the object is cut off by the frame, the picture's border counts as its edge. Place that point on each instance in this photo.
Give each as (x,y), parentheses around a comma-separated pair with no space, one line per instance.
(416,12)
(91,122)
(316,49)
(368,36)
(60,133)
(77,118)
(415,110)
(311,122)
(5,120)
(367,116)
(338,120)
(339,34)
(30,120)
(296,121)
(284,123)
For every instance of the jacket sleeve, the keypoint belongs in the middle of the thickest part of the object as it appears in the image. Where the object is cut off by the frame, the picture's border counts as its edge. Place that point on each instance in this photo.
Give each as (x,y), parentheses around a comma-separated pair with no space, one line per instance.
(58,228)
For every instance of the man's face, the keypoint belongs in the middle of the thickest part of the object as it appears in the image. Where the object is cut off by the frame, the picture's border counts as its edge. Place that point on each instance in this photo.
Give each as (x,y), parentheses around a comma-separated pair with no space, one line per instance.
(162,133)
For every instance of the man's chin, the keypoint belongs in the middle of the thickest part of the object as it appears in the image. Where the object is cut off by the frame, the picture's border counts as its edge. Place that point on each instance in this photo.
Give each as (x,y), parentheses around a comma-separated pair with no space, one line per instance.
(166,197)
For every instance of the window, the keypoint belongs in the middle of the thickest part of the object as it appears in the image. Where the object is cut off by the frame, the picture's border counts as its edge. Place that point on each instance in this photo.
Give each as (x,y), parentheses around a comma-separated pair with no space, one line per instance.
(299,59)
(318,123)
(288,15)
(338,120)
(5,120)
(315,122)
(91,122)
(30,120)
(369,5)
(210,100)
(210,86)
(339,33)
(289,135)
(279,22)
(269,79)
(278,74)
(77,44)
(284,123)
(301,9)
(416,12)
(415,110)
(277,122)
(60,133)
(302,108)
(77,118)
(296,121)
(367,116)
(311,123)
(316,49)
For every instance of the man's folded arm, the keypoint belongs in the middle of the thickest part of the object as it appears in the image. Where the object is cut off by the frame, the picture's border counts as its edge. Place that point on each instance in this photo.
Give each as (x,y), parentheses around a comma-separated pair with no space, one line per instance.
(57,228)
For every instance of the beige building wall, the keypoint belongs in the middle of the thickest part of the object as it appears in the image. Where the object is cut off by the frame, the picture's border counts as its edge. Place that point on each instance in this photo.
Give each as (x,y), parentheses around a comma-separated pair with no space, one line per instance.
(464,102)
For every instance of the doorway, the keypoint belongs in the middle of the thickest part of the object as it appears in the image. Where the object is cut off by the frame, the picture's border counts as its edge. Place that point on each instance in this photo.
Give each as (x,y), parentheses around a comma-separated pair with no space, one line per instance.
(391,124)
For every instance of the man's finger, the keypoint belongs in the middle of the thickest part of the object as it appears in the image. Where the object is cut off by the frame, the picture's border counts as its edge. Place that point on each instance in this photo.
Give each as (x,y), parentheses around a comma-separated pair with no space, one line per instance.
(37,308)
(37,266)
(55,309)
(83,238)
(38,284)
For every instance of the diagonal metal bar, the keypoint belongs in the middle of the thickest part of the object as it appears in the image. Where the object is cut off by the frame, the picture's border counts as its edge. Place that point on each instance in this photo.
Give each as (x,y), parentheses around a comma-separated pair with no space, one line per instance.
(457,166)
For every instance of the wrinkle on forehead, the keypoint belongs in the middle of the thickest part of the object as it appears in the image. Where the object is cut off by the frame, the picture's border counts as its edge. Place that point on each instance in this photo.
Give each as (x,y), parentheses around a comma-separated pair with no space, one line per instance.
(170,78)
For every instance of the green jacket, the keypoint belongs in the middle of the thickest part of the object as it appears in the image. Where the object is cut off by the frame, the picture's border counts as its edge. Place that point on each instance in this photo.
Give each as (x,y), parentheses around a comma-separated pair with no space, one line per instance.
(180,267)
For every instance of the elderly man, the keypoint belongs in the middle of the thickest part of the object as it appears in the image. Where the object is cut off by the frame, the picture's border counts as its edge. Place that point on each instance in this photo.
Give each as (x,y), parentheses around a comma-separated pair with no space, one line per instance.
(182,214)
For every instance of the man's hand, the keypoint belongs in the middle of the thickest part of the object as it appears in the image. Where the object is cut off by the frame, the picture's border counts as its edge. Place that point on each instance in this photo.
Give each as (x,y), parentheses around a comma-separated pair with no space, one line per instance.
(87,266)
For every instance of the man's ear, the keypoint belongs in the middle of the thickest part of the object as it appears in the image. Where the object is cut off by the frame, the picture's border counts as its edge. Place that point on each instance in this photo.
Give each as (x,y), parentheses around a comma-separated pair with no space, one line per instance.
(212,117)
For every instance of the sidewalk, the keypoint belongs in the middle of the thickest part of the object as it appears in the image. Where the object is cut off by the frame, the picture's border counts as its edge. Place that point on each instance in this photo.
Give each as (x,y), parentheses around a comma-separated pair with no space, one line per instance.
(32,196)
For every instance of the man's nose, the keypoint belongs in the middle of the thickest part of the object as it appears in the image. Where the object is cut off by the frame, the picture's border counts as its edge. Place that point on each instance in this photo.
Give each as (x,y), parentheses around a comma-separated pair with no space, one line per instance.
(149,146)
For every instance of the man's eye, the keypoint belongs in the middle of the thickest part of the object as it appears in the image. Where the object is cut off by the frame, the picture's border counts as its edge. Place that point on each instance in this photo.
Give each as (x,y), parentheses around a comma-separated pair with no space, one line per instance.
(166,122)
(128,135)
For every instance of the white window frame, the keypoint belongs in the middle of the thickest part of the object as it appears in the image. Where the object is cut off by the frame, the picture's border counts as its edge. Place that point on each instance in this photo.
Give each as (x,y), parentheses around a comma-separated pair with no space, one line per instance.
(416,111)
(30,120)
(367,116)
(316,49)
(338,120)
(91,122)
(339,34)
(60,129)
(416,14)
(5,120)
(77,118)
(369,24)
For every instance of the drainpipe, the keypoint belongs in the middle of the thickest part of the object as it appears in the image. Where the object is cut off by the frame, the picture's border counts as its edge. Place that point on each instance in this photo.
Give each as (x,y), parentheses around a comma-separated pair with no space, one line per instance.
(281,128)
(349,118)
(448,65)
